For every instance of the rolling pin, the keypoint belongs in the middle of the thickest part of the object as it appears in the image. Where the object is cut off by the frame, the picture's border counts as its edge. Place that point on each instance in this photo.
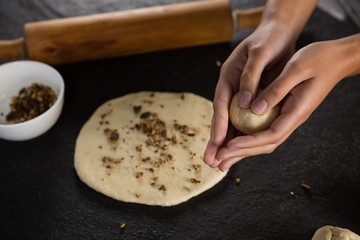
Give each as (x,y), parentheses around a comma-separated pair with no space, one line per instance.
(127,32)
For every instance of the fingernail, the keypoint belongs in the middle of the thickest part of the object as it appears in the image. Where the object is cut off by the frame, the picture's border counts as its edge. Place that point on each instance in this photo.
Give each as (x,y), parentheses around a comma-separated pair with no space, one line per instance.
(245,99)
(259,106)
(224,169)
(215,163)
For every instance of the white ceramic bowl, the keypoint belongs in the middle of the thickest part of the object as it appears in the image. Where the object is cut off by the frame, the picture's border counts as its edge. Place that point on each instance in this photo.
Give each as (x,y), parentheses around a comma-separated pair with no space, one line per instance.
(19,74)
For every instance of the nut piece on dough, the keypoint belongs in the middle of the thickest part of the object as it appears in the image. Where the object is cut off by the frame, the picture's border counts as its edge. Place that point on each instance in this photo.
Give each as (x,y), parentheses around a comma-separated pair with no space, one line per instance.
(246,121)
(334,233)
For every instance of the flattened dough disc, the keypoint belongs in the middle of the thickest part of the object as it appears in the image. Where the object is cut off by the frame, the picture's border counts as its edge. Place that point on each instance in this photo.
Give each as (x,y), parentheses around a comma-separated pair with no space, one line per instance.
(147,148)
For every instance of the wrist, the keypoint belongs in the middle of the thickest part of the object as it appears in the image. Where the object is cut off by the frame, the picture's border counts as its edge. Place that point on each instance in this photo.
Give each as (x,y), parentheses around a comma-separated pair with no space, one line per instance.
(291,15)
(348,52)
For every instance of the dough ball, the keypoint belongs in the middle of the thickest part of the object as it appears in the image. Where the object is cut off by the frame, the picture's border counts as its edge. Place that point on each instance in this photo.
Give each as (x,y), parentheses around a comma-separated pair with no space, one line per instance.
(334,233)
(246,121)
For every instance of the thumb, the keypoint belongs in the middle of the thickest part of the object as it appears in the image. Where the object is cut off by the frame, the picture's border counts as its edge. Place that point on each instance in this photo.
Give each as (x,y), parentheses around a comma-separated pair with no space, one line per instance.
(278,89)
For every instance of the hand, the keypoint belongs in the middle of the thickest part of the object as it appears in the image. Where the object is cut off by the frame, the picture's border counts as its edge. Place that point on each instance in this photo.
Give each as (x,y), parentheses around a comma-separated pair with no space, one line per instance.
(269,48)
(305,81)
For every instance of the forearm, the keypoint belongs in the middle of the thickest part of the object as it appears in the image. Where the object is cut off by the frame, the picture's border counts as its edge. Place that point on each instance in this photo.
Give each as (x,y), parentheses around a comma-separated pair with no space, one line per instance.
(294,14)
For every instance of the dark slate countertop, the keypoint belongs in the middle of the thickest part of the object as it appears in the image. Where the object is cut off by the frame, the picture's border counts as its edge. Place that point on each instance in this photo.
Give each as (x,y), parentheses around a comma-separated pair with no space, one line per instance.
(42,197)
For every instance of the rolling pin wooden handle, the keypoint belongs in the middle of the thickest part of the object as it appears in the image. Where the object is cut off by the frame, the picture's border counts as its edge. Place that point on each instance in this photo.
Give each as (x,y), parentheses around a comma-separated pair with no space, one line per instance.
(249,18)
(12,49)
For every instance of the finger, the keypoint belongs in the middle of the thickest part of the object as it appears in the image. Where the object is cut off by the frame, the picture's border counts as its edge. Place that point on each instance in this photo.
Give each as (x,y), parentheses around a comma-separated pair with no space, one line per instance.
(217,137)
(225,165)
(292,75)
(250,77)
(235,155)
(230,153)
(271,73)
(282,125)
(227,154)
(215,164)
(210,153)
(232,132)
(220,121)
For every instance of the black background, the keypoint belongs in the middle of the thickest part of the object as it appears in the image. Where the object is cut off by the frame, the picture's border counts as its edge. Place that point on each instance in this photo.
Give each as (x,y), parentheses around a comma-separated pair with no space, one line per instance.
(42,197)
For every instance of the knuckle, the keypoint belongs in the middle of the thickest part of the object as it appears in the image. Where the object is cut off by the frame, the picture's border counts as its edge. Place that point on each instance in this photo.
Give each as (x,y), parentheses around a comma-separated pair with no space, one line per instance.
(278,90)
(270,149)
(256,50)
(248,78)
(277,136)
(217,140)
(297,66)
(246,75)
(225,67)
(218,103)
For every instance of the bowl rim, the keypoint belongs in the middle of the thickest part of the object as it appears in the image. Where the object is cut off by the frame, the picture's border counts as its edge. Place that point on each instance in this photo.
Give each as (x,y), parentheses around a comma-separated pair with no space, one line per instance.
(58,101)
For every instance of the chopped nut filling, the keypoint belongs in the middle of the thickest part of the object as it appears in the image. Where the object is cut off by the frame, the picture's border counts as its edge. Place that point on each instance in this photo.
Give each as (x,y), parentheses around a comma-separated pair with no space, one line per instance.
(112,134)
(137,109)
(194,180)
(110,163)
(138,148)
(30,103)
(197,167)
(139,174)
(184,129)
(154,128)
